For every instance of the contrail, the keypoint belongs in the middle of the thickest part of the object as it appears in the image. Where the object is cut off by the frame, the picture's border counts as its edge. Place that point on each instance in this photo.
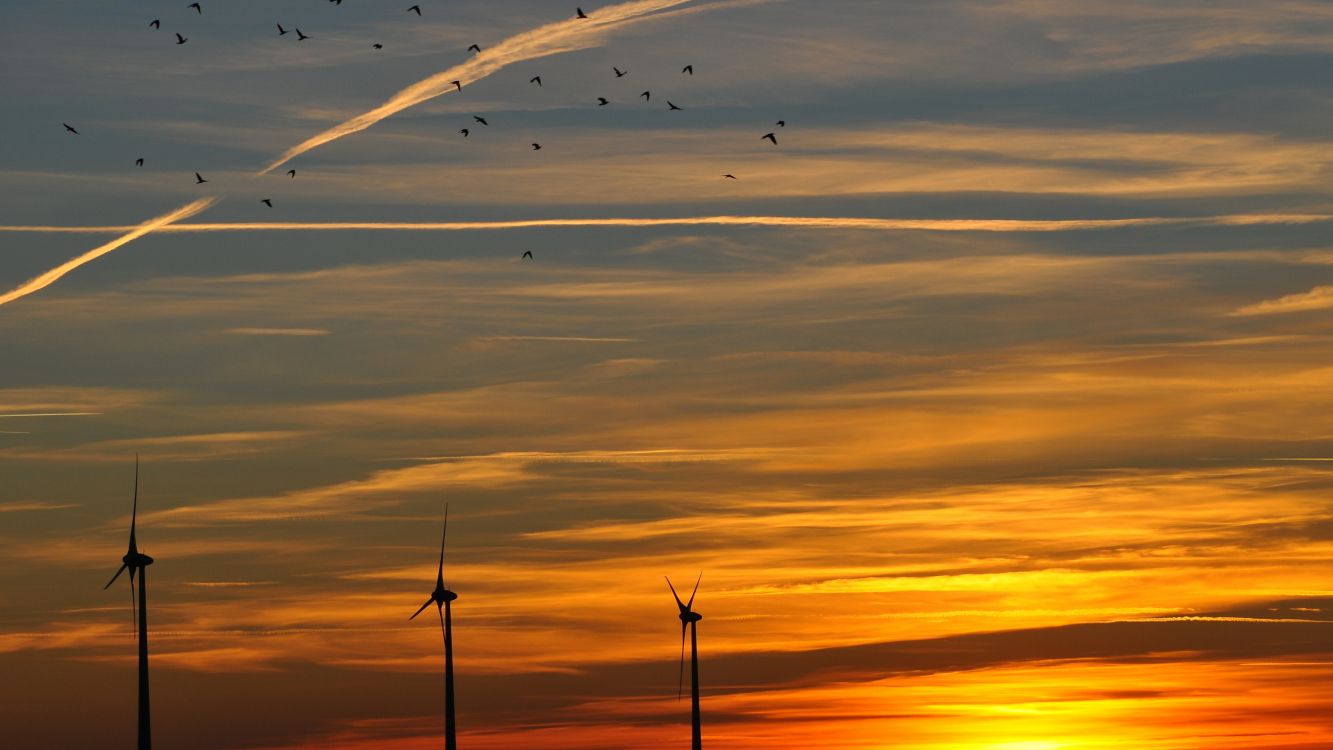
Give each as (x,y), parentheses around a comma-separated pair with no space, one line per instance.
(551,39)
(50,277)
(803,222)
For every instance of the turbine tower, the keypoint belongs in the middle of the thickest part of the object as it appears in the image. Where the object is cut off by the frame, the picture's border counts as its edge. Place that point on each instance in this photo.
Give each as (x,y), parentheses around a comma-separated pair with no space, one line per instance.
(137,563)
(689,620)
(442,597)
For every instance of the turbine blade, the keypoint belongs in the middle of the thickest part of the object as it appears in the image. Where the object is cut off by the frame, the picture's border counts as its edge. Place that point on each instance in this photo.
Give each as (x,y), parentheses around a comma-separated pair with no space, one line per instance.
(680,686)
(690,603)
(114,577)
(679,603)
(134,512)
(423,609)
(444,536)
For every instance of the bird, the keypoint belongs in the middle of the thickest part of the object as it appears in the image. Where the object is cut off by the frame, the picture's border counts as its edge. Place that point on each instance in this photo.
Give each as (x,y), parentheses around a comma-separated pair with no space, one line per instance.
(771,137)
(602,101)
(180,39)
(581,14)
(377,45)
(782,123)
(137,564)
(647,96)
(536,147)
(481,120)
(300,37)
(688,69)
(198,179)
(459,84)
(197,8)
(443,598)
(138,162)
(282,31)
(465,132)
(671,106)
(689,621)
(620,73)
(474,48)
(527,254)
(729,176)
(69,128)
(267,202)
(536,79)
(336,2)
(156,23)
(416,9)
(291,173)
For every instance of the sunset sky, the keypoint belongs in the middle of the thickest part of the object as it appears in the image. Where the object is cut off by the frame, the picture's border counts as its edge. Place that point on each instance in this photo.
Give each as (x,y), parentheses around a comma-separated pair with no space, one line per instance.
(994,401)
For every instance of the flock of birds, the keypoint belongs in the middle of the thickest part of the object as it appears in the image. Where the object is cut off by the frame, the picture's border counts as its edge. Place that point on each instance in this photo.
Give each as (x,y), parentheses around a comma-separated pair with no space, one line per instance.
(602,101)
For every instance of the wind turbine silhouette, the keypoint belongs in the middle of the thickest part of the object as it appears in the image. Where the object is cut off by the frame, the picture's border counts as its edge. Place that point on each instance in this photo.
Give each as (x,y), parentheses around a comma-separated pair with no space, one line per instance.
(689,619)
(442,597)
(137,562)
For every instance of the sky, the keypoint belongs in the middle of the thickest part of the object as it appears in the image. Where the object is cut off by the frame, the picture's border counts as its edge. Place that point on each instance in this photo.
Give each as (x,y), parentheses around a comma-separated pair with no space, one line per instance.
(992,401)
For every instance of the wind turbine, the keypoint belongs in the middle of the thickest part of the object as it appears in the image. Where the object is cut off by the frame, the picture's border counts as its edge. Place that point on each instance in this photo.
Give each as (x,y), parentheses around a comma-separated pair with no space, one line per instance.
(689,619)
(442,597)
(137,562)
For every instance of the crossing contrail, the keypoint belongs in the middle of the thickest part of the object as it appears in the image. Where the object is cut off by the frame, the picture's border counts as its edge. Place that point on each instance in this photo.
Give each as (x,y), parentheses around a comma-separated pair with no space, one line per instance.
(551,39)
(41,282)
(800,222)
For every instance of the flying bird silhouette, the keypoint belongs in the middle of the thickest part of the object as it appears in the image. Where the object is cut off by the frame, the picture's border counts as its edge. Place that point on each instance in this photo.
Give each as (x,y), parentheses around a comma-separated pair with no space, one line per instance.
(197,7)
(536,147)
(291,173)
(416,9)
(474,48)
(300,37)
(267,202)
(536,79)
(459,84)
(647,96)
(282,31)
(481,120)
(180,39)
(138,162)
(198,179)
(782,123)
(527,254)
(729,176)
(771,137)
(602,101)
(156,23)
(377,45)
(70,129)
(581,14)
(465,132)
(688,69)
(671,106)
(620,73)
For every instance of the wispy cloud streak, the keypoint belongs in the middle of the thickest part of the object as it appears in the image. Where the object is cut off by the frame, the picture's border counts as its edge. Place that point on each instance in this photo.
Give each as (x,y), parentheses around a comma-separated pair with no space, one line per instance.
(551,39)
(801,222)
(44,280)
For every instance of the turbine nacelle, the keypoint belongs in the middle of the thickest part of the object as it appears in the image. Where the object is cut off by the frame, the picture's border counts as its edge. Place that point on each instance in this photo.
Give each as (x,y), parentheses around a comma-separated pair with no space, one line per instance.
(136,559)
(690,617)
